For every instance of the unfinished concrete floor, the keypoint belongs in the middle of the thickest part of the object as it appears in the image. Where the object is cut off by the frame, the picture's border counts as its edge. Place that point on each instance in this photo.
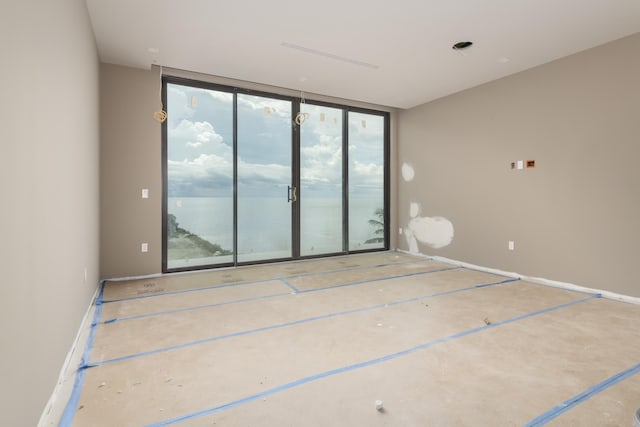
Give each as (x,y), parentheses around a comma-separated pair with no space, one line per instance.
(318,342)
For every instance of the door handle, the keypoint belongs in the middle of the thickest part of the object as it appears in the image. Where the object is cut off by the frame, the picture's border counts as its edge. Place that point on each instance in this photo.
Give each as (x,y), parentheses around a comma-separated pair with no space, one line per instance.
(292,194)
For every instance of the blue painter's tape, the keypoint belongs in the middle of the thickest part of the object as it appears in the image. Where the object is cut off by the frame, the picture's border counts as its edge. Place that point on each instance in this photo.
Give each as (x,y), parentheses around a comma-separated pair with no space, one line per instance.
(359,365)
(183,291)
(581,397)
(248,282)
(284,281)
(197,307)
(360,267)
(287,324)
(72,405)
(380,279)
(289,285)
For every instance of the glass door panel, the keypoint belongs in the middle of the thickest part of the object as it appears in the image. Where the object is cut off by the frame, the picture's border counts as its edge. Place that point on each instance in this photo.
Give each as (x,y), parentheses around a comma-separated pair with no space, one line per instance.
(264,174)
(232,161)
(366,181)
(321,181)
(199,228)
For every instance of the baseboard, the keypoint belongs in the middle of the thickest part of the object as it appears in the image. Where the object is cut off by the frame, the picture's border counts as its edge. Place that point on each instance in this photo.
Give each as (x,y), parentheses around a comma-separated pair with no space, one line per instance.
(538,280)
(53,410)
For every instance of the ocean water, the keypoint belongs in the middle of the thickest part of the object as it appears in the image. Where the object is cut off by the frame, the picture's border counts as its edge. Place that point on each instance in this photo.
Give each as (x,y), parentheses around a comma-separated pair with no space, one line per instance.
(264,223)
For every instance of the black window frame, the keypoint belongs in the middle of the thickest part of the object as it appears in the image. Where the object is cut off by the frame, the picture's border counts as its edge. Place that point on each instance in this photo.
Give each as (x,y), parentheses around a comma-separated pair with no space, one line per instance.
(296,103)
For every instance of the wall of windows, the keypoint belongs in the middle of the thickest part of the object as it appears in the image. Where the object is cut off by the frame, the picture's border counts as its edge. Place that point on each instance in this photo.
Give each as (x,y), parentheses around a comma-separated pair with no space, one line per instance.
(244,181)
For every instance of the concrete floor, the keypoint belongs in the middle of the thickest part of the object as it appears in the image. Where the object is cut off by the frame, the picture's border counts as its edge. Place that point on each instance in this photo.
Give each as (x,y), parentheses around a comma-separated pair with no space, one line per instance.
(317,342)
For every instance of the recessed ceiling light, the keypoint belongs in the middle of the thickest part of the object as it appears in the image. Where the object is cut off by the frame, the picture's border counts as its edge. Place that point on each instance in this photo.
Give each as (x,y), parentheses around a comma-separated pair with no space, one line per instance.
(462,45)
(503,60)
(153,50)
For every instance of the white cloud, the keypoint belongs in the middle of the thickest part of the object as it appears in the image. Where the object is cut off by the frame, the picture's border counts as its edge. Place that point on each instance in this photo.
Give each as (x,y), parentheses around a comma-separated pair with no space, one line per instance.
(322,162)
(273,173)
(267,106)
(195,134)
(365,125)
(220,96)
(369,173)
(180,107)
(201,161)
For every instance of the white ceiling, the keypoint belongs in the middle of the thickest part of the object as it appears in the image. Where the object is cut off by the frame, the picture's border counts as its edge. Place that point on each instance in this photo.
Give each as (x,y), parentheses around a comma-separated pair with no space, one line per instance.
(389,52)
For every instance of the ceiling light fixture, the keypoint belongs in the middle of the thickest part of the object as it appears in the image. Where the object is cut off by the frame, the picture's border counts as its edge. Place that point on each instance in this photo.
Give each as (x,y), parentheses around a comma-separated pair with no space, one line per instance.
(462,45)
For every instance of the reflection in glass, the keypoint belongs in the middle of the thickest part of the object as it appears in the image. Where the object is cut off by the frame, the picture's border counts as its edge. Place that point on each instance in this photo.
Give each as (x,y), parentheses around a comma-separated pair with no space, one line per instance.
(199,177)
(264,175)
(321,181)
(366,181)
(213,179)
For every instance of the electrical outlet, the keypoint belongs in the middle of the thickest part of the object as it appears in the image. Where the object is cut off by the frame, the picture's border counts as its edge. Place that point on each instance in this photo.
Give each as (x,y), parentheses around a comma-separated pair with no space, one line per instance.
(144,247)
(512,245)
(145,193)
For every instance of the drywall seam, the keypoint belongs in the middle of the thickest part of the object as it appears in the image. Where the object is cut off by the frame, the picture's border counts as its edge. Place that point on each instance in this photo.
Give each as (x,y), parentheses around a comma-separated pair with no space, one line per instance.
(538,280)
(64,386)
(364,364)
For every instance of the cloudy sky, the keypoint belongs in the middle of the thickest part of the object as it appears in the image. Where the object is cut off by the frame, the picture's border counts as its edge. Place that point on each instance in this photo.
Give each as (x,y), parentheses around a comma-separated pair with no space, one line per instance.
(200,147)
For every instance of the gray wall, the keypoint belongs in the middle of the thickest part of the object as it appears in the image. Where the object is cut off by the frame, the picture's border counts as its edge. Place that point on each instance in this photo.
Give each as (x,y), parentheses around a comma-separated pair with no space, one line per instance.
(49,199)
(573,218)
(130,159)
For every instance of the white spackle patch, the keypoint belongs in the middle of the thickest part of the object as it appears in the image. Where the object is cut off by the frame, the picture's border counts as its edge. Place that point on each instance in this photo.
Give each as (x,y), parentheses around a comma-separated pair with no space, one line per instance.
(414,209)
(407,172)
(436,232)
(411,241)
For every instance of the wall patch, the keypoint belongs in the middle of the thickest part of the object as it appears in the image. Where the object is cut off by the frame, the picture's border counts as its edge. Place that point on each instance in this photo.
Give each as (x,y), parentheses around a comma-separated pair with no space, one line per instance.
(407,172)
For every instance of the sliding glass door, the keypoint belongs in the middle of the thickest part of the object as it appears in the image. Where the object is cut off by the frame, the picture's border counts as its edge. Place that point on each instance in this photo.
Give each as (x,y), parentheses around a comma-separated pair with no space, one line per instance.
(366,181)
(321,177)
(198,177)
(264,178)
(252,177)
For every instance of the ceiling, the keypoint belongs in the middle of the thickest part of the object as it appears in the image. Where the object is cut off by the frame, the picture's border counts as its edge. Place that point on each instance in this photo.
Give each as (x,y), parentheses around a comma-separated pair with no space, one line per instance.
(393,53)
